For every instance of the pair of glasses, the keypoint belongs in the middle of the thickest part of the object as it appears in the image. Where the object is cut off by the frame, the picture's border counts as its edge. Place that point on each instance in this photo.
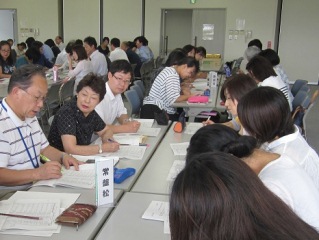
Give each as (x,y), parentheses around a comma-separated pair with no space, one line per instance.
(37,99)
(6,51)
(121,80)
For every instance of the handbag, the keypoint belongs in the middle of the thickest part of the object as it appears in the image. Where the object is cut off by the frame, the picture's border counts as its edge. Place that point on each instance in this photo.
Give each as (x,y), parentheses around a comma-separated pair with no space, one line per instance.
(180,125)
(161,117)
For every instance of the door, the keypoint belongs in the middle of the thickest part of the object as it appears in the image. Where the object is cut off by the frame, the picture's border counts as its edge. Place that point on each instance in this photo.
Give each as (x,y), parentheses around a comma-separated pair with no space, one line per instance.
(177,29)
(209,26)
(8,27)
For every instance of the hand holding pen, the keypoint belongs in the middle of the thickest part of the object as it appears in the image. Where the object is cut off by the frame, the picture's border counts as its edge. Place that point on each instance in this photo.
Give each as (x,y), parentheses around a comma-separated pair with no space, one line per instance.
(208,122)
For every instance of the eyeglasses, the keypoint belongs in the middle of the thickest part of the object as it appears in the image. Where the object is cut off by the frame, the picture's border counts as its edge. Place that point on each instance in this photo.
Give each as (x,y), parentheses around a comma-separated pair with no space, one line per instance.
(121,80)
(6,51)
(37,99)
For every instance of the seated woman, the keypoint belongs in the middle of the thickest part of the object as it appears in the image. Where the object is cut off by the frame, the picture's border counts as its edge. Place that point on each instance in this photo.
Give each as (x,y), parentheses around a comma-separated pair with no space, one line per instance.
(279,173)
(264,114)
(233,89)
(261,70)
(189,50)
(274,59)
(76,121)
(83,66)
(6,60)
(31,56)
(217,196)
(167,89)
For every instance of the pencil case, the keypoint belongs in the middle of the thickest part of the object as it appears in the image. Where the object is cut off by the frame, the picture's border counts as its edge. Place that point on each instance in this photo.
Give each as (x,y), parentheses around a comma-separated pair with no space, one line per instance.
(76,214)
(198,99)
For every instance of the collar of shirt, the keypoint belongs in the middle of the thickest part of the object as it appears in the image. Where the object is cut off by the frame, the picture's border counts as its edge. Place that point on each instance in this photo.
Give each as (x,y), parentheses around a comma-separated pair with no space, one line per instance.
(16,120)
(284,139)
(109,91)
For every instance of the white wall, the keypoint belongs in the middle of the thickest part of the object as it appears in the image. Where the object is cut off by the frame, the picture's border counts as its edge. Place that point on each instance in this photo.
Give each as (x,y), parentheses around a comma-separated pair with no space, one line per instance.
(41,14)
(299,38)
(260,17)
(81,19)
(122,19)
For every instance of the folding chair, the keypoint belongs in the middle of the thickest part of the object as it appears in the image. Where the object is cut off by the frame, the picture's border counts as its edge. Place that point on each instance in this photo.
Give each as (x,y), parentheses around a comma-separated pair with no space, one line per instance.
(66,91)
(134,102)
(139,92)
(297,85)
(140,84)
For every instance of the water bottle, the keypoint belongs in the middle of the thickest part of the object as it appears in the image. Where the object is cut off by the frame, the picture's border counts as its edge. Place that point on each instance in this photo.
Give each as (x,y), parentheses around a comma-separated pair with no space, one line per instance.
(227,70)
(55,73)
(207,92)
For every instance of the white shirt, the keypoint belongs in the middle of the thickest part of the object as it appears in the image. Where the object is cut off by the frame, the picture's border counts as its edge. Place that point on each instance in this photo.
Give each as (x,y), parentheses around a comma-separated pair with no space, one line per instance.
(296,147)
(13,154)
(118,54)
(82,68)
(111,107)
(99,63)
(61,58)
(291,183)
(276,82)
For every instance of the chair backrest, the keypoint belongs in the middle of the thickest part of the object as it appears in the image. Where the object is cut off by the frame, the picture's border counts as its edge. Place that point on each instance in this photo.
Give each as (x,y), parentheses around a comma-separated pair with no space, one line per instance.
(159,61)
(297,85)
(53,99)
(309,122)
(134,101)
(236,65)
(66,92)
(140,84)
(139,92)
(302,99)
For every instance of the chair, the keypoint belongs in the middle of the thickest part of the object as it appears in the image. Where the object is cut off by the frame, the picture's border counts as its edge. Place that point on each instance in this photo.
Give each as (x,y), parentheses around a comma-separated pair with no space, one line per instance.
(297,85)
(52,102)
(66,91)
(139,92)
(134,102)
(300,104)
(146,74)
(140,84)
(308,122)
(236,65)
(159,61)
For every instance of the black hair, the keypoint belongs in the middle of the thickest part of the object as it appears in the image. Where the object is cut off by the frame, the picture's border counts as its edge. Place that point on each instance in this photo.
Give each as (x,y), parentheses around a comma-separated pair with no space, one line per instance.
(121,66)
(271,56)
(90,41)
(255,42)
(115,42)
(95,82)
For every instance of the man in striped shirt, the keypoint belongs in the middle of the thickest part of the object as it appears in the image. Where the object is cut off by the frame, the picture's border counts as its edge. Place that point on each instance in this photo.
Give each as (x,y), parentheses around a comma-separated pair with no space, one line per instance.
(21,137)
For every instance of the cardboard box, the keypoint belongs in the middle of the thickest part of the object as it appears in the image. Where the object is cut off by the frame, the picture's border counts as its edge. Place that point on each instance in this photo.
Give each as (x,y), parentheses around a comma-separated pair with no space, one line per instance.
(211,64)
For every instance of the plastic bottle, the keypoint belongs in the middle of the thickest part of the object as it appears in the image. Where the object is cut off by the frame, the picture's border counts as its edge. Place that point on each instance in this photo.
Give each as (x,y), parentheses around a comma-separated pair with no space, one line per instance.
(227,70)
(55,73)
(207,92)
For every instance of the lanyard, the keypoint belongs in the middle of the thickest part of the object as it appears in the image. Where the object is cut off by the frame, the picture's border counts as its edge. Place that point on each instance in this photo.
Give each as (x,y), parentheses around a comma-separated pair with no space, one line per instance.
(36,163)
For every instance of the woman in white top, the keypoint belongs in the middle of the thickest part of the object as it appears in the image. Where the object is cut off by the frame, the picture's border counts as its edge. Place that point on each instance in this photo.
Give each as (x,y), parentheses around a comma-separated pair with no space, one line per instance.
(264,114)
(83,66)
(279,173)
(261,70)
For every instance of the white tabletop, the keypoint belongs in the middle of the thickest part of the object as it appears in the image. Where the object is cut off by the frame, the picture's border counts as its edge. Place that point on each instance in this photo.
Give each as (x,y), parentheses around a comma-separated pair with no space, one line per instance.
(139,165)
(126,220)
(88,229)
(153,178)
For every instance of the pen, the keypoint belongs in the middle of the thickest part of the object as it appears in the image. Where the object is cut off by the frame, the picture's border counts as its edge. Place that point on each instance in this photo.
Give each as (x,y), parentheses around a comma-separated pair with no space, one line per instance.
(208,119)
(46,159)
(20,216)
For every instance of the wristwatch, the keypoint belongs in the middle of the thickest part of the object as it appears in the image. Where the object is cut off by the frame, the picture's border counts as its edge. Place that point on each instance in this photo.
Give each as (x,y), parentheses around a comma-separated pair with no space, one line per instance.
(100,148)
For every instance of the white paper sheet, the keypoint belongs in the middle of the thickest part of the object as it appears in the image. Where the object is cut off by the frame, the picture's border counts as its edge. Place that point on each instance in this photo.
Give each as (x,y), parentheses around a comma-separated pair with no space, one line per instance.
(157,211)
(180,149)
(192,128)
(147,131)
(177,167)
(145,122)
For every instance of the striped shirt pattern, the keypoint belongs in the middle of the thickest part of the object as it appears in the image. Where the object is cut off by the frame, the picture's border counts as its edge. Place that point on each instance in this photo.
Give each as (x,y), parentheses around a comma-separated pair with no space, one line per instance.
(13,154)
(276,82)
(165,90)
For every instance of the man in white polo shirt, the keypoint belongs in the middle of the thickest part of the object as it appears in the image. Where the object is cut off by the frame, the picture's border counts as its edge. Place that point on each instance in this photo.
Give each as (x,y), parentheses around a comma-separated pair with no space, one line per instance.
(112,108)
(98,59)
(21,137)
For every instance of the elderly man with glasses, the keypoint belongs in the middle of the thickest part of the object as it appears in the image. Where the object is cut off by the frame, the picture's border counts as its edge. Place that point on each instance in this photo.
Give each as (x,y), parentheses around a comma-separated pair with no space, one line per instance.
(112,108)
(21,137)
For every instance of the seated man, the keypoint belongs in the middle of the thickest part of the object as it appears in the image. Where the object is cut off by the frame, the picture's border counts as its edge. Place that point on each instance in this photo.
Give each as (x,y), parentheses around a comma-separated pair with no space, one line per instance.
(76,121)
(112,106)
(117,53)
(21,137)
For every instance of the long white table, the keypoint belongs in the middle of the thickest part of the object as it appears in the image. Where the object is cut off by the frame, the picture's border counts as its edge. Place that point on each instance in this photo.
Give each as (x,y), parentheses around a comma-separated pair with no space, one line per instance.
(139,165)
(153,178)
(126,220)
(88,229)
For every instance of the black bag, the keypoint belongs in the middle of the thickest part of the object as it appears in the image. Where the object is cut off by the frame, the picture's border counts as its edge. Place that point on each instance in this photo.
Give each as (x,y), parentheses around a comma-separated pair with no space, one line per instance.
(161,117)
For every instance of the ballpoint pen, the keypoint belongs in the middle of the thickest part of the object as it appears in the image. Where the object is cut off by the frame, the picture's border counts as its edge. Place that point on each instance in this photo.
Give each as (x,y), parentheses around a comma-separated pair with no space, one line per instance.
(20,216)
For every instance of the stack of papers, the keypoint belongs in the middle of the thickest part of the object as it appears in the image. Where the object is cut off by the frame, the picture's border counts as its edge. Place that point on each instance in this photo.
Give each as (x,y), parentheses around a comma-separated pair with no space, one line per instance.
(158,211)
(42,206)
(84,178)
(129,139)
(147,129)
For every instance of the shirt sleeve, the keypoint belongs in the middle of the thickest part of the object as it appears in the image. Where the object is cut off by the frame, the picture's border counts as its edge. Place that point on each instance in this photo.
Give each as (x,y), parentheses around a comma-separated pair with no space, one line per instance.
(98,123)
(172,90)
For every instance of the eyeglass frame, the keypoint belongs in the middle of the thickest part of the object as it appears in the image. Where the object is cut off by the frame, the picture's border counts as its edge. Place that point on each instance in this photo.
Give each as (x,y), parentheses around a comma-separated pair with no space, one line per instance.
(37,99)
(127,82)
